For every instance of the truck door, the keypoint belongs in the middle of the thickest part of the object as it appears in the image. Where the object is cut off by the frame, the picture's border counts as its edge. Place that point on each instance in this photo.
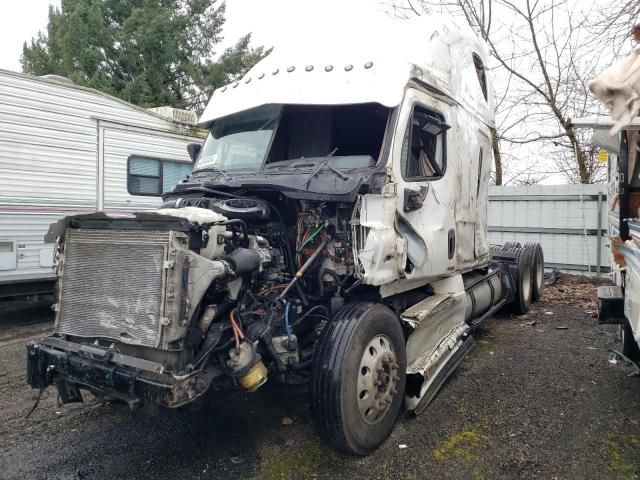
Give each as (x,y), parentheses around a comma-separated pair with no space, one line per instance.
(427,184)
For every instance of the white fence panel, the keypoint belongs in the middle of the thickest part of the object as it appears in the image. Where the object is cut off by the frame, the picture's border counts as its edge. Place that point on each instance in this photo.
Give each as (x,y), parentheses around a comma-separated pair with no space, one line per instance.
(564,219)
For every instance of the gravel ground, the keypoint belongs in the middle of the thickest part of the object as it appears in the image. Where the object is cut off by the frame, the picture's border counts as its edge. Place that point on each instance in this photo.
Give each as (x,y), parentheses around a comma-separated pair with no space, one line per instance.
(537,398)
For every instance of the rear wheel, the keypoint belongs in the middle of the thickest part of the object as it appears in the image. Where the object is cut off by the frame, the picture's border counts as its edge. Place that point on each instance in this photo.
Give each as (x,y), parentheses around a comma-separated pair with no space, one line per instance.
(358,379)
(630,347)
(524,281)
(537,267)
(510,246)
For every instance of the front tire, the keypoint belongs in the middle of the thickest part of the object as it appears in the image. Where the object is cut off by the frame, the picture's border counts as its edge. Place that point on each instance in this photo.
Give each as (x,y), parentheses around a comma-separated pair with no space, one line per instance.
(358,378)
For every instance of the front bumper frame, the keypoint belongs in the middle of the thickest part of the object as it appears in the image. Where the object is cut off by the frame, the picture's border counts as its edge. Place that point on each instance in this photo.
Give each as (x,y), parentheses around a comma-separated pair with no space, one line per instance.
(105,372)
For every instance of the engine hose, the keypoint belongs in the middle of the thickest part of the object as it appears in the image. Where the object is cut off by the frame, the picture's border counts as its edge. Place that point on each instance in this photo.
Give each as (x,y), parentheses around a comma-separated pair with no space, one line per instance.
(321,289)
(310,311)
(287,325)
(300,365)
(243,227)
(210,343)
(306,266)
(232,221)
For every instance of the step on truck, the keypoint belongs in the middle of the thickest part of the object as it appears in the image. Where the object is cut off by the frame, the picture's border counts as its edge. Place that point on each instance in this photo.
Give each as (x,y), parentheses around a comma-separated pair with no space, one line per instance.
(333,233)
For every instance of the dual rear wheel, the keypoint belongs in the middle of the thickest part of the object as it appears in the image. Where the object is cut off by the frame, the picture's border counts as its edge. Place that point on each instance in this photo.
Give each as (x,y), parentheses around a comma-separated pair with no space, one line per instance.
(529,275)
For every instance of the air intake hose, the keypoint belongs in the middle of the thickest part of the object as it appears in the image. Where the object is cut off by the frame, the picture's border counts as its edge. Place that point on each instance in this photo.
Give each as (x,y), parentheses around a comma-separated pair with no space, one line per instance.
(243,260)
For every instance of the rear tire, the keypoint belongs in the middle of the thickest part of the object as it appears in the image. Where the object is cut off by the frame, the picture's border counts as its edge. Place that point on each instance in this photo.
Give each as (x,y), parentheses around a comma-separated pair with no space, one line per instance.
(510,246)
(630,347)
(537,267)
(358,377)
(524,281)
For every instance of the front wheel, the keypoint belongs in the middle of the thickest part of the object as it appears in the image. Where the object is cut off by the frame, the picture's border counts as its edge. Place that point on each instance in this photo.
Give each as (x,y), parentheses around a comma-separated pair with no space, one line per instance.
(358,379)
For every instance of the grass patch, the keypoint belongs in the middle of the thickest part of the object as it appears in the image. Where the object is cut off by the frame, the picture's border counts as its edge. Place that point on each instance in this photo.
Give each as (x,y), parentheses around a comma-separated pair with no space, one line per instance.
(461,445)
(617,462)
(284,463)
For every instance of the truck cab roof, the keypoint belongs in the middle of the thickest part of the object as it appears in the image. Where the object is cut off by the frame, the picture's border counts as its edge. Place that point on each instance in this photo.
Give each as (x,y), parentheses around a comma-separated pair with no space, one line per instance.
(364,63)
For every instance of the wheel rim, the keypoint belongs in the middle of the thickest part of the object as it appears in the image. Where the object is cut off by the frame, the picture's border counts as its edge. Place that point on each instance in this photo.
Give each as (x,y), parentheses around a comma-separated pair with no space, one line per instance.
(377,379)
(539,271)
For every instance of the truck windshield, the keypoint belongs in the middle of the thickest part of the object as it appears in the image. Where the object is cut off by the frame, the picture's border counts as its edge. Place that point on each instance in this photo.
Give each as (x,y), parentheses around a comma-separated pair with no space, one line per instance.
(276,137)
(239,142)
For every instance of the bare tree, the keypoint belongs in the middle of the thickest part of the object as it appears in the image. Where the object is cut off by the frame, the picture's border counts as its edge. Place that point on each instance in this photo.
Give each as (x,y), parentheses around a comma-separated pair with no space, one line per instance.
(612,24)
(540,51)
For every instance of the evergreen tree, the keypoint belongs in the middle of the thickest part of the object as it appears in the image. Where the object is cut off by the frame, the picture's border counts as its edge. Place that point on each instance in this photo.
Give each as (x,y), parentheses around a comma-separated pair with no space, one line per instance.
(148,52)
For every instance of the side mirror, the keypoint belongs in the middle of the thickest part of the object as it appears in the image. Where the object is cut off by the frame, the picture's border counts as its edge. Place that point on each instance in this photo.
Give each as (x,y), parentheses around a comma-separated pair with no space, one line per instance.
(431,124)
(194,150)
(413,199)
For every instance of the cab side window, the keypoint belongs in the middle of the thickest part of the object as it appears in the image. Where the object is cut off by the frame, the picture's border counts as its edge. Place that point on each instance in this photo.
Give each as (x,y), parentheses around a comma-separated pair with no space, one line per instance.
(424,146)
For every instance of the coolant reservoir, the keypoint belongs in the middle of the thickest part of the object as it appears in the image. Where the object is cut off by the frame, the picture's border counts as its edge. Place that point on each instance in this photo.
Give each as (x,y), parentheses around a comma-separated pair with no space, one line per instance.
(201,216)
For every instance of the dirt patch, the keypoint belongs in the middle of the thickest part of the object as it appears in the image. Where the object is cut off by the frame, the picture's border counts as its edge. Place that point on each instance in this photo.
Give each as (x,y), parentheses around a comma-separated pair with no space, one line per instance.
(532,400)
(576,291)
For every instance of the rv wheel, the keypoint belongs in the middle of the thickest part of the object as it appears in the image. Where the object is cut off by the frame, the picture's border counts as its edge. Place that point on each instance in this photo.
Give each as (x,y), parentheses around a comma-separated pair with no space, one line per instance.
(524,281)
(630,347)
(537,267)
(358,378)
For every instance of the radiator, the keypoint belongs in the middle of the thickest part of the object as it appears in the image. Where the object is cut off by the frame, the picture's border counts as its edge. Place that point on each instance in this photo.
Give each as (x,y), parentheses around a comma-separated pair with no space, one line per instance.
(112,285)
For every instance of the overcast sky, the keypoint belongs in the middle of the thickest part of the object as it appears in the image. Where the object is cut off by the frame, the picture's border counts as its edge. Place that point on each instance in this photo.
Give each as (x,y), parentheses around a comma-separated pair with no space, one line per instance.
(269,20)
(20,20)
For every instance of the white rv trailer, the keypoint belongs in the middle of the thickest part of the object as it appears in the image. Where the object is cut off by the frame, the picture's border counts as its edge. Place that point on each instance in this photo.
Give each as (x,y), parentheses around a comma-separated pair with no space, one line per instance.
(67,149)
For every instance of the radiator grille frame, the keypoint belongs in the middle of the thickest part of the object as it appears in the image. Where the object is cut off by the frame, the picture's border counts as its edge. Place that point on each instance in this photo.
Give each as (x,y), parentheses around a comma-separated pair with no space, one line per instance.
(112,284)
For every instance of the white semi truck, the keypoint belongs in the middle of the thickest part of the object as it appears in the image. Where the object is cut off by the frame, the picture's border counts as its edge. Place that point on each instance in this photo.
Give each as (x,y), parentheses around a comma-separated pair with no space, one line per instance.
(333,233)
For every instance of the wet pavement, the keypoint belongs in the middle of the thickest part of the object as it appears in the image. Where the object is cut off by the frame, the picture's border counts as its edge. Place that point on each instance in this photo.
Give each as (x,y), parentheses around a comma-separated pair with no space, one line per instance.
(537,398)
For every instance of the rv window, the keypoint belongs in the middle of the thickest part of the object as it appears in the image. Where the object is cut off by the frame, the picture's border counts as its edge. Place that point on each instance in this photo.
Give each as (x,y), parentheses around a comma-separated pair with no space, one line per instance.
(153,176)
(423,148)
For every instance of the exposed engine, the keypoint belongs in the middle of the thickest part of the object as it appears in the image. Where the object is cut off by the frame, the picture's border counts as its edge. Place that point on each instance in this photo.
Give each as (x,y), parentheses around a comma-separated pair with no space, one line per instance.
(240,294)
(285,282)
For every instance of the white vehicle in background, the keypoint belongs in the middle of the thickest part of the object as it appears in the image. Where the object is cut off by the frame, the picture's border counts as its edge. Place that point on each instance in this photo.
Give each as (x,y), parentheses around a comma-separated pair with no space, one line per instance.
(617,88)
(65,150)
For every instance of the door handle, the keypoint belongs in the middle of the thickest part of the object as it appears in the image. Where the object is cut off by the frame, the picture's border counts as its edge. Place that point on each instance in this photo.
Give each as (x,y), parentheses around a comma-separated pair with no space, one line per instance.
(413,199)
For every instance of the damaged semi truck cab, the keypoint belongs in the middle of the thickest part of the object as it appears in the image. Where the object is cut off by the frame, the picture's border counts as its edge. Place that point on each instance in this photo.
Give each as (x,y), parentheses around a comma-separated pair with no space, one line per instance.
(332,233)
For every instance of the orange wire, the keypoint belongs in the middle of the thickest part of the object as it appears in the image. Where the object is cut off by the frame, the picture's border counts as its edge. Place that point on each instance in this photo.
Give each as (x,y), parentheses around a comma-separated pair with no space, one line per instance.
(237,332)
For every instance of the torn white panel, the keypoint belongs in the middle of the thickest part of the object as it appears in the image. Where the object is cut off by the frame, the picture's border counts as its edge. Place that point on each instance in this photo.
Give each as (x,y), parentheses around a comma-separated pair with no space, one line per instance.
(618,88)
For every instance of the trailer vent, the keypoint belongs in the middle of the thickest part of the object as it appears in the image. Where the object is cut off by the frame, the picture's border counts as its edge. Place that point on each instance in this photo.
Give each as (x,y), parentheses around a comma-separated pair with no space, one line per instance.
(176,114)
(112,285)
